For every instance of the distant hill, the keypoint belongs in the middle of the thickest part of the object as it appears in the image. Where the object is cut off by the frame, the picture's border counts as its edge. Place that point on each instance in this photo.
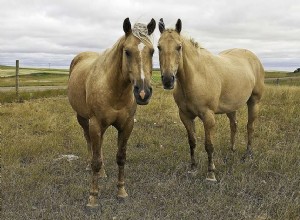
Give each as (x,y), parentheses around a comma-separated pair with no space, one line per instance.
(7,71)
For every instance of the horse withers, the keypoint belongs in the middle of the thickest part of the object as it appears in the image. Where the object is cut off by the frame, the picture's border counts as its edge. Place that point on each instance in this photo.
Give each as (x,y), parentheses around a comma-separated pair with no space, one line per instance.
(105,88)
(208,84)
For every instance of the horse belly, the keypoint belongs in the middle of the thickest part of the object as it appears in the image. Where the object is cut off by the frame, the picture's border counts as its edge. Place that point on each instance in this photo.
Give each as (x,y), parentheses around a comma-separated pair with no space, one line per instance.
(77,93)
(234,100)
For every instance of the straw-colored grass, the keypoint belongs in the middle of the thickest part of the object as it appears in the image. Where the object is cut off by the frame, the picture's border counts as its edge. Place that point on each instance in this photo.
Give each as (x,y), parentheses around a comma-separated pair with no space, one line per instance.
(34,185)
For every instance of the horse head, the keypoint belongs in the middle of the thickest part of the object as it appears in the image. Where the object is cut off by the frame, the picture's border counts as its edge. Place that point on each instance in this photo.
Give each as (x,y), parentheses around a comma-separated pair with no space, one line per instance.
(170,53)
(137,58)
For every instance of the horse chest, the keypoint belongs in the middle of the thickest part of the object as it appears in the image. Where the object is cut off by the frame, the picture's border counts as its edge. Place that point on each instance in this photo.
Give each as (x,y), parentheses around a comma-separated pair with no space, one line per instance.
(118,117)
(185,103)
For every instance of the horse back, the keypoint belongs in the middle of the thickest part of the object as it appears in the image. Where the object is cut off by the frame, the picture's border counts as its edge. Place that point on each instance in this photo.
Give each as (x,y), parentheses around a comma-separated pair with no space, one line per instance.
(249,63)
(79,72)
(246,59)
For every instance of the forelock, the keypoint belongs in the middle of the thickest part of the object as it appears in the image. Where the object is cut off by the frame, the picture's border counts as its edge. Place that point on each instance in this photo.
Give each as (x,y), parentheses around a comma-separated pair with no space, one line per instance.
(140,31)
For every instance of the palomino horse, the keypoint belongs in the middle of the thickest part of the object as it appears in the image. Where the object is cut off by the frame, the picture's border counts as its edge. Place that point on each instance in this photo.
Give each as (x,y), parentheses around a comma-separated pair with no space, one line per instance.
(207,84)
(104,89)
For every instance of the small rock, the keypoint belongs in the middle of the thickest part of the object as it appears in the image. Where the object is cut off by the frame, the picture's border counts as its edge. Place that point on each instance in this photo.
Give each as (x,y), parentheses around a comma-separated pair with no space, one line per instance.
(68,157)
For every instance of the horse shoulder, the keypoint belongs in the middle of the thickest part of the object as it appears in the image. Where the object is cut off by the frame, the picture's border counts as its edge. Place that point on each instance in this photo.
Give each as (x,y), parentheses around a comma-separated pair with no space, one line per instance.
(79,72)
(197,98)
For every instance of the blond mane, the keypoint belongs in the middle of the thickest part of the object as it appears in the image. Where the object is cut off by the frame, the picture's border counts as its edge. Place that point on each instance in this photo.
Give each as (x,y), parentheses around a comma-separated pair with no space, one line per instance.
(188,39)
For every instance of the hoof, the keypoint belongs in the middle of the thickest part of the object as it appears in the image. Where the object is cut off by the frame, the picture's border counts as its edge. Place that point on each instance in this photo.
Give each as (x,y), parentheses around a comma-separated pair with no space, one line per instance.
(211,177)
(102,173)
(122,198)
(122,194)
(92,203)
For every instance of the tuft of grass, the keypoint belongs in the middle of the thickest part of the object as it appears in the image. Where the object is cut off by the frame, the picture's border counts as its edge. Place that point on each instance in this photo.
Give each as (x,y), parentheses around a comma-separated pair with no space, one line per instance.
(35,185)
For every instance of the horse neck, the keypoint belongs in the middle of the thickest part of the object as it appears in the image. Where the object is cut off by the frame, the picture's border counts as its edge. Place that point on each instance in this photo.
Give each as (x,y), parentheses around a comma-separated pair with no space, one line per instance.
(193,61)
(115,78)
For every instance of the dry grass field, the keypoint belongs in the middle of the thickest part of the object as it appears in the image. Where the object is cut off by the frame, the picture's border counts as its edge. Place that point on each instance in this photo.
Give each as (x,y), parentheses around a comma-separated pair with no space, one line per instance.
(36,184)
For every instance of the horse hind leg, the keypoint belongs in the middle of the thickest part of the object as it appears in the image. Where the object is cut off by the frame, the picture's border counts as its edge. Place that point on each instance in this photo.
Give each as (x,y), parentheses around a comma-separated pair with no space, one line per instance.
(96,133)
(84,123)
(253,108)
(233,128)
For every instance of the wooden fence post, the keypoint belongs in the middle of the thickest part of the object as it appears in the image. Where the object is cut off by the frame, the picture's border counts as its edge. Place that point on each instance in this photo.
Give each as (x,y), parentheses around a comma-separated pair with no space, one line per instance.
(17,80)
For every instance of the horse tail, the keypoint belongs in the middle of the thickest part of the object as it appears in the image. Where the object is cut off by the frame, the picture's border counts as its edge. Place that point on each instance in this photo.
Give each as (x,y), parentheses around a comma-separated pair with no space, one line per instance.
(73,63)
(71,67)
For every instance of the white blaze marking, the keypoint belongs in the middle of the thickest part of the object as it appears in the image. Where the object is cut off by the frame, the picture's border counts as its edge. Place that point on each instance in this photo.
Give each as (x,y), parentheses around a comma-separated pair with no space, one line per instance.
(141,47)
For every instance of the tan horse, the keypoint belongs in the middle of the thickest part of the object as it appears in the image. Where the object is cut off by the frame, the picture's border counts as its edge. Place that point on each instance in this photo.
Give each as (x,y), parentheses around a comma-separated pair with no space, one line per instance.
(207,85)
(104,89)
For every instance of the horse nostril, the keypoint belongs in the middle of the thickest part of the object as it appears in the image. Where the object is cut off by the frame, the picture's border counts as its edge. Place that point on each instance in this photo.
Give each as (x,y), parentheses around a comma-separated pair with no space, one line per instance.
(136,88)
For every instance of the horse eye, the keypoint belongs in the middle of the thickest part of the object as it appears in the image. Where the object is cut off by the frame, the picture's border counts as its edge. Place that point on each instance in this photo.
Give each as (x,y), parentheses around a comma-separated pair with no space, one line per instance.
(178,48)
(159,48)
(128,53)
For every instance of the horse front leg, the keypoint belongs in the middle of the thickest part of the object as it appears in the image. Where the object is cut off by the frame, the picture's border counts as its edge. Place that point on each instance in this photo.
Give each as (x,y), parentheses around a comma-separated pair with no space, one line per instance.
(189,125)
(84,123)
(123,136)
(209,123)
(96,135)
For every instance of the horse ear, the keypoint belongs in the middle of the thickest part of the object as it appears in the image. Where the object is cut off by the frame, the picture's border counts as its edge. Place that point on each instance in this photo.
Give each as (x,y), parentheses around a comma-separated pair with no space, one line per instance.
(127,26)
(178,26)
(151,26)
(161,25)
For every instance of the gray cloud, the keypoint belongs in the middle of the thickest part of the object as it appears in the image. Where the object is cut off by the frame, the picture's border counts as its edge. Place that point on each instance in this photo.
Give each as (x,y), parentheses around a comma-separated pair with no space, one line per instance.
(42,32)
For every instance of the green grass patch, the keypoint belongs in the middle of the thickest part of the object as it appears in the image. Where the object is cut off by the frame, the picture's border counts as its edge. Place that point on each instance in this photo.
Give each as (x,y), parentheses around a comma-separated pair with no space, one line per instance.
(9,97)
(156,77)
(36,79)
(33,77)
(6,71)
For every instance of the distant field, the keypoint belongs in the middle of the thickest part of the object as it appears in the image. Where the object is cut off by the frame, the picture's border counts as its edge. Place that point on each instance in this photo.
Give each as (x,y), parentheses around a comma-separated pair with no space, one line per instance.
(6,71)
(280,74)
(33,76)
(282,78)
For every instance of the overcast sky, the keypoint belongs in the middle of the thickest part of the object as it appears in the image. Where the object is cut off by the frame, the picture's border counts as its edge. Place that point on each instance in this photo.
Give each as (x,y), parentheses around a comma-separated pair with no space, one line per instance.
(39,32)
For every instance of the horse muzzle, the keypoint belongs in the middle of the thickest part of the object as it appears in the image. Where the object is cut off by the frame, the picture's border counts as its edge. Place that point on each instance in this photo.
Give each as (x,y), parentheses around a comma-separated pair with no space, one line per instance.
(168,81)
(142,96)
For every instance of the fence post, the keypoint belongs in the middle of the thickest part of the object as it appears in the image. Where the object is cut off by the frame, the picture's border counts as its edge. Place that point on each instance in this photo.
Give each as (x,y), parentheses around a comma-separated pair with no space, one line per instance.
(17,80)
